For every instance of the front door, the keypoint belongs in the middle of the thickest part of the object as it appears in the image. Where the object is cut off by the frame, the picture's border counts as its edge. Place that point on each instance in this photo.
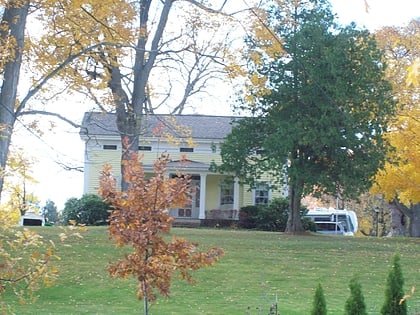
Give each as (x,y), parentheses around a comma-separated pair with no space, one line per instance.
(192,209)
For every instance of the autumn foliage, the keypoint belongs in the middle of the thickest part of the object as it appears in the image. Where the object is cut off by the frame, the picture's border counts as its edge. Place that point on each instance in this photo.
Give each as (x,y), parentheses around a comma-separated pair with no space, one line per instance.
(27,263)
(140,219)
(400,179)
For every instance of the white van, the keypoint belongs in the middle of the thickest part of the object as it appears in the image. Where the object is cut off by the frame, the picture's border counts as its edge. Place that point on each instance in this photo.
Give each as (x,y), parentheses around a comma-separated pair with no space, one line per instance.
(332,228)
(344,220)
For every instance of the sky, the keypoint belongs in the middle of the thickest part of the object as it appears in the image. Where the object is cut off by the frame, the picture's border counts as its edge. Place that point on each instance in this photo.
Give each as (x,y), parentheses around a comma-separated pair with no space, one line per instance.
(64,145)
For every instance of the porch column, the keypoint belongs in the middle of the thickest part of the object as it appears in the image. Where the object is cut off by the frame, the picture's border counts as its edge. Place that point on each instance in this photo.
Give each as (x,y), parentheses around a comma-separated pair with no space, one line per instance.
(202,213)
(236,196)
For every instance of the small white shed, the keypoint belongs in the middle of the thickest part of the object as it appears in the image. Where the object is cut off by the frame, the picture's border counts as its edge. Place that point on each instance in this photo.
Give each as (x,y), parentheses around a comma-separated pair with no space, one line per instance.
(32,219)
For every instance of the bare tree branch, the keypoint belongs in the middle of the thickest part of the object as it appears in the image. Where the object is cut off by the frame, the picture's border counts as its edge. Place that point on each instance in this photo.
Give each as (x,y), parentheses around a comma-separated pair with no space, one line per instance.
(70,168)
(46,113)
(55,71)
(208,9)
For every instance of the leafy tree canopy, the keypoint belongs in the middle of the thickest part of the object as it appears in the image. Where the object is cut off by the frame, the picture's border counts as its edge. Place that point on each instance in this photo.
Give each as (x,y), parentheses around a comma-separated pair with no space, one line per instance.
(90,209)
(318,108)
(400,179)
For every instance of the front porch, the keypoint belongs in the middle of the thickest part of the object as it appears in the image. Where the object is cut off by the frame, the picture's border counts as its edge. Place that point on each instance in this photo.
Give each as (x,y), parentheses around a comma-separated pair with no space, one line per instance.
(213,197)
(182,222)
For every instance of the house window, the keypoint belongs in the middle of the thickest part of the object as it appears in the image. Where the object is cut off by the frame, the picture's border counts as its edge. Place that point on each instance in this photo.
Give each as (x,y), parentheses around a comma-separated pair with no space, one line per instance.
(145,148)
(226,193)
(186,149)
(184,212)
(110,147)
(261,193)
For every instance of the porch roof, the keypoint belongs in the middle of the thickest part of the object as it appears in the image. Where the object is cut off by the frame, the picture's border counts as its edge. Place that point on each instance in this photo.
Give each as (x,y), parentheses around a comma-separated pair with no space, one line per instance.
(187,166)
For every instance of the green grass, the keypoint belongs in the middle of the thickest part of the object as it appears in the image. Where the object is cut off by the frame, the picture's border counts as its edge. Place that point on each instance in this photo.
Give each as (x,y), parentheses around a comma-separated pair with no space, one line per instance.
(257,267)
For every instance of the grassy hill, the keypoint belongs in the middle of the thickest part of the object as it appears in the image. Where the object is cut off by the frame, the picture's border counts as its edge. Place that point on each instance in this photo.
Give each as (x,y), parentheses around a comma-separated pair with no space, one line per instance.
(257,269)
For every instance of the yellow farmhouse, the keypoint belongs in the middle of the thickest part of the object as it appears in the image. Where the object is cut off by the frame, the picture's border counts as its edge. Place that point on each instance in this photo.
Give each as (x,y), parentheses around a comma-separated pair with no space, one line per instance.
(193,138)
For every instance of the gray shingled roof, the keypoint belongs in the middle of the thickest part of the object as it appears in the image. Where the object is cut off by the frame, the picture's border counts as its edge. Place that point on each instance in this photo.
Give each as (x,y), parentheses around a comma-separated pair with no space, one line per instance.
(201,126)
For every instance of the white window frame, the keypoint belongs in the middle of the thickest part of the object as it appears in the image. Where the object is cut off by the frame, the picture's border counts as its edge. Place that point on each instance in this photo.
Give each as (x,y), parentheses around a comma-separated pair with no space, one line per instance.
(224,186)
(257,188)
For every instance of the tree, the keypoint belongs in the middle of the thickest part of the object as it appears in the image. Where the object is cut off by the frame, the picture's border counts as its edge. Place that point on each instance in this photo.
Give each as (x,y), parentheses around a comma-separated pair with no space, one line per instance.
(15,57)
(17,182)
(394,304)
(70,211)
(319,304)
(49,211)
(89,210)
(140,219)
(28,262)
(179,42)
(11,41)
(318,109)
(355,304)
(399,181)
(88,48)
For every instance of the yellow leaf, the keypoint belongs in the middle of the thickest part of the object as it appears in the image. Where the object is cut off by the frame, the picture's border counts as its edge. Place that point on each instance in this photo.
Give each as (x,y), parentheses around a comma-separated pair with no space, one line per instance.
(413,73)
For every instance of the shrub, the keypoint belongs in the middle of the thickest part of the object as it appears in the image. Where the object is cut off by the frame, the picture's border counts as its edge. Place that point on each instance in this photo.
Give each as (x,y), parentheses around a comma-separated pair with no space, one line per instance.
(266,218)
(272,217)
(308,225)
(394,292)
(319,304)
(355,304)
(247,216)
(89,210)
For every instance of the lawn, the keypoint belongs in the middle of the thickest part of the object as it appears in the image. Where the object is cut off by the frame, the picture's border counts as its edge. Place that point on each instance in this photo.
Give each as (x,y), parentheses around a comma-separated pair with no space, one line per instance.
(257,269)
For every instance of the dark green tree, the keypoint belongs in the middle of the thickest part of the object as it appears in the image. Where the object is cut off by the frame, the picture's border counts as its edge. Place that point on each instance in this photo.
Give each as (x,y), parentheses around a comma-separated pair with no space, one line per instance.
(394,292)
(355,304)
(319,128)
(70,210)
(319,305)
(89,210)
(49,211)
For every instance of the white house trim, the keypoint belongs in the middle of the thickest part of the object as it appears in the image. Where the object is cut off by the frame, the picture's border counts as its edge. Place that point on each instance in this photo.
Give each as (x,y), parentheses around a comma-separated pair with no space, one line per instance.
(203,180)
(236,194)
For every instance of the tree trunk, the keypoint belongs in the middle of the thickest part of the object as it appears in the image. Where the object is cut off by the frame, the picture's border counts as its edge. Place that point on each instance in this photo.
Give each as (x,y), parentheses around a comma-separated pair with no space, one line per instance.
(130,112)
(128,121)
(14,17)
(294,221)
(398,222)
(413,213)
(414,227)
(145,299)
(130,145)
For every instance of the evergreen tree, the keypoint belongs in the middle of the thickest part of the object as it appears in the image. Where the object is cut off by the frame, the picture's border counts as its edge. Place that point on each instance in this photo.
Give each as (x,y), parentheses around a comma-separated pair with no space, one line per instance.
(320,108)
(394,293)
(90,210)
(71,210)
(49,211)
(319,304)
(355,304)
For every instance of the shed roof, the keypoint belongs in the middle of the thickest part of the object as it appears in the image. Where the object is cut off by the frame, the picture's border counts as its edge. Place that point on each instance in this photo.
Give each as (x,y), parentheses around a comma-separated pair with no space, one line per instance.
(181,126)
